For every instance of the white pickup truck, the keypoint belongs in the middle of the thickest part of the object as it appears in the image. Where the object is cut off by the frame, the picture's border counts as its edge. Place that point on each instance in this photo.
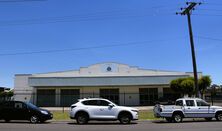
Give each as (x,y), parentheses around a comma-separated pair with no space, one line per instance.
(188,108)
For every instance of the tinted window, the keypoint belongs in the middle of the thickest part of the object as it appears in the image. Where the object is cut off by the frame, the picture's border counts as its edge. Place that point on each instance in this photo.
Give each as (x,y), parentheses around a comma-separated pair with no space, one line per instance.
(9,104)
(31,105)
(90,102)
(103,103)
(190,103)
(179,103)
(19,105)
(202,103)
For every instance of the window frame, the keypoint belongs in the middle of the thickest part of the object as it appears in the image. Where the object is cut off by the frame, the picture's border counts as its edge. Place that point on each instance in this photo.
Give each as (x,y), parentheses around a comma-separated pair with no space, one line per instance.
(194,104)
(178,101)
(206,104)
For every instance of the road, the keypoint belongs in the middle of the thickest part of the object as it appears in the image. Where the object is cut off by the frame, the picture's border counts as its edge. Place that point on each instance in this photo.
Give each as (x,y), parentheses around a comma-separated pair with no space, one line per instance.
(113,126)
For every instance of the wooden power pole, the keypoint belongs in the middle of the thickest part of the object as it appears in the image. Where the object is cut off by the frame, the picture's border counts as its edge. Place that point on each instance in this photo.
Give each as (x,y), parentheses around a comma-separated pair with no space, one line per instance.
(187,11)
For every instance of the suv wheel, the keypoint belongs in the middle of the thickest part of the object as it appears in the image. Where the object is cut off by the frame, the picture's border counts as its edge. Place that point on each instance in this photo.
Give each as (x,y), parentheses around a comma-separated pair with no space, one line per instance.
(177,118)
(125,119)
(34,119)
(219,116)
(82,118)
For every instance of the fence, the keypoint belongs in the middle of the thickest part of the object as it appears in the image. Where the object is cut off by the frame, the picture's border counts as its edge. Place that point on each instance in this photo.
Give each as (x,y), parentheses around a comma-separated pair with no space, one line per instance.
(214,98)
(51,99)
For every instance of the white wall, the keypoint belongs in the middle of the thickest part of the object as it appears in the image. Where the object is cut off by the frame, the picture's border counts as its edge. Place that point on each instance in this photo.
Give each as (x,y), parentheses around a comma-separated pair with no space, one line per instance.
(23,92)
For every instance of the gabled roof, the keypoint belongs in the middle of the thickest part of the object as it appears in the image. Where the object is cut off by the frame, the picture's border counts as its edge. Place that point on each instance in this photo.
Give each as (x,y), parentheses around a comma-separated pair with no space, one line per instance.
(107,69)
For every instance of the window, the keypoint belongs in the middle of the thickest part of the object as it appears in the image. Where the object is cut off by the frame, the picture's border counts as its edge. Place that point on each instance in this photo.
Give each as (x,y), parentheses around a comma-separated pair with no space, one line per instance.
(90,102)
(46,97)
(202,103)
(9,104)
(148,96)
(179,103)
(18,105)
(110,94)
(103,103)
(69,96)
(190,103)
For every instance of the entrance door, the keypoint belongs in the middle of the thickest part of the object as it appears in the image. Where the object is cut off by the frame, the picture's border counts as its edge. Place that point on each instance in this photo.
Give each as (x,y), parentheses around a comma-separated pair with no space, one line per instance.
(69,97)
(46,98)
(110,94)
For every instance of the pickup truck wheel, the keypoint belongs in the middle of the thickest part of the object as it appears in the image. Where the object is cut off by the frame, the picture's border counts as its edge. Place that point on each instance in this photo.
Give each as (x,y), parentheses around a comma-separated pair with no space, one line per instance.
(219,116)
(168,119)
(208,119)
(82,119)
(125,119)
(177,118)
(34,119)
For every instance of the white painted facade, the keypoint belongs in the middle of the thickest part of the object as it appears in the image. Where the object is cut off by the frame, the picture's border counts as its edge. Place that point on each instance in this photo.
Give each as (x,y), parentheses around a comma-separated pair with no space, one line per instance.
(95,77)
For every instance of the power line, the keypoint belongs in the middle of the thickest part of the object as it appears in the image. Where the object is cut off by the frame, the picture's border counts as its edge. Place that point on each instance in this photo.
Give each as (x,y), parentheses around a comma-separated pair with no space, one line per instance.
(208,38)
(212,4)
(216,10)
(116,14)
(14,1)
(213,15)
(86,48)
(28,22)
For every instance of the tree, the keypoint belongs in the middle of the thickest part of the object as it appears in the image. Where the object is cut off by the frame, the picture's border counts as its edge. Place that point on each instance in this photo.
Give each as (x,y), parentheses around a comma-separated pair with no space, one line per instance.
(203,83)
(183,85)
(6,95)
(187,86)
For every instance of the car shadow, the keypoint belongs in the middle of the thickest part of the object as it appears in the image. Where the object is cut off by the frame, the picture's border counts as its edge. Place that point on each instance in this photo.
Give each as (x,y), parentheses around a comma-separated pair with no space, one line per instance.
(184,121)
(21,122)
(102,123)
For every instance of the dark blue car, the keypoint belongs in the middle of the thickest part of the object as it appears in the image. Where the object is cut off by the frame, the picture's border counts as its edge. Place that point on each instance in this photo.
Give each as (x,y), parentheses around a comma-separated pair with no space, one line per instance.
(17,110)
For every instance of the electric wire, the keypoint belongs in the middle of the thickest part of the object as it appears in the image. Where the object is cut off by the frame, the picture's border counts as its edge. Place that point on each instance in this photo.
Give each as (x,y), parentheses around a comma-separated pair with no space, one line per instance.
(88,48)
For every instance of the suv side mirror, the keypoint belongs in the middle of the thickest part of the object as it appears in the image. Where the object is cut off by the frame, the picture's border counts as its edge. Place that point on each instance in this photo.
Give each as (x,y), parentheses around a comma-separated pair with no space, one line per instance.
(111,105)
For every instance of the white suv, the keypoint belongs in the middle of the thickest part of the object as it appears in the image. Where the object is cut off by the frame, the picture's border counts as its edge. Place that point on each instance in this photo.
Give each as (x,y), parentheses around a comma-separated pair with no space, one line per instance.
(101,109)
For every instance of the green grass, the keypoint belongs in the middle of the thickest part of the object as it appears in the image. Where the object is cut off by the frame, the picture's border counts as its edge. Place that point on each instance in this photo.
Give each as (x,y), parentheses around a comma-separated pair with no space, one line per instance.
(143,115)
(59,115)
(146,115)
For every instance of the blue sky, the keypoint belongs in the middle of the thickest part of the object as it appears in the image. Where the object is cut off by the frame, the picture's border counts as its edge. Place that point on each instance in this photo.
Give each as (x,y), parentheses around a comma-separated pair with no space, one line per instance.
(148,33)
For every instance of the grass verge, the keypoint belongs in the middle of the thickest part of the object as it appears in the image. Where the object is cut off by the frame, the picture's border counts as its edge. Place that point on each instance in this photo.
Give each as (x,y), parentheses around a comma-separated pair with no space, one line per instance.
(143,115)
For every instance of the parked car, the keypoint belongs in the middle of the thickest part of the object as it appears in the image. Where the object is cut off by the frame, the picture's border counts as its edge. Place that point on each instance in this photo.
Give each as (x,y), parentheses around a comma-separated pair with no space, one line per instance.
(101,109)
(17,110)
(188,108)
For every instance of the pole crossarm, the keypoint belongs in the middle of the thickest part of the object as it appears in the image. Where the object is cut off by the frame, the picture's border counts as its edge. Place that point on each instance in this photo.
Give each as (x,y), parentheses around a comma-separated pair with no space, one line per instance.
(188,9)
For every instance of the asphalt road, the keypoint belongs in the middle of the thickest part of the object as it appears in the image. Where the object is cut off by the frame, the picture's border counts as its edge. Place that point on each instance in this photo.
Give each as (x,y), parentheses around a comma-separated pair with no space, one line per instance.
(113,126)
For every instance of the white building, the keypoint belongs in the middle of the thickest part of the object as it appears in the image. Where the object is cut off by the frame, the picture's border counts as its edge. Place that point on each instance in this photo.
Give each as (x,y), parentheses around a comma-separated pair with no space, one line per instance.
(120,83)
